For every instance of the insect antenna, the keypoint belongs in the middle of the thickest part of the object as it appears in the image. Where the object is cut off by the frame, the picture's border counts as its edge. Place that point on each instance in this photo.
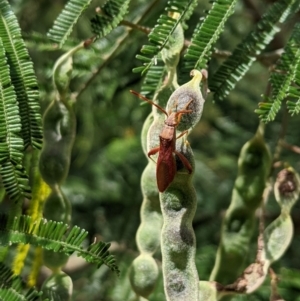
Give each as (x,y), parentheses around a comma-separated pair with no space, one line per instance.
(148,100)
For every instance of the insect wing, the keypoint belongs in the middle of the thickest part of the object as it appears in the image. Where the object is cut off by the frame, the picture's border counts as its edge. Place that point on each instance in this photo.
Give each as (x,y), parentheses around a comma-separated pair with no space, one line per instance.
(166,169)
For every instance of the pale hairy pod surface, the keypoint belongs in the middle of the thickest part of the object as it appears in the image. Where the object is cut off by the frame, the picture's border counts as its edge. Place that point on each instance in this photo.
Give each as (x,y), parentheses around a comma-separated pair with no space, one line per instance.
(239,223)
(188,94)
(148,234)
(143,275)
(208,291)
(144,133)
(58,285)
(178,244)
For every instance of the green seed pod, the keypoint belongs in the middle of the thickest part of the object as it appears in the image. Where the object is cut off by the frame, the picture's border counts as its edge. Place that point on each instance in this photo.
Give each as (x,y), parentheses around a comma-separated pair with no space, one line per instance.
(278,235)
(58,284)
(239,223)
(57,207)
(178,204)
(143,275)
(59,125)
(275,239)
(148,234)
(188,94)
(54,260)
(144,270)
(171,53)
(286,188)
(145,130)
(62,70)
(208,291)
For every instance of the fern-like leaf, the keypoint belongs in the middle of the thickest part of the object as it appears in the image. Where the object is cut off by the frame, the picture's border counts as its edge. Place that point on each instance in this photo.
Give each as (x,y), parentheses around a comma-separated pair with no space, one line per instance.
(294,89)
(65,22)
(235,67)
(163,30)
(206,34)
(286,73)
(53,236)
(11,143)
(12,287)
(15,181)
(109,17)
(22,76)
(13,175)
(153,78)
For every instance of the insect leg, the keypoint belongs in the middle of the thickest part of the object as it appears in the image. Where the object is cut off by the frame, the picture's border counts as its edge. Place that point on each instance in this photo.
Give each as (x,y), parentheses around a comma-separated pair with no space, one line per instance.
(184,111)
(153,151)
(182,134)
(185,161)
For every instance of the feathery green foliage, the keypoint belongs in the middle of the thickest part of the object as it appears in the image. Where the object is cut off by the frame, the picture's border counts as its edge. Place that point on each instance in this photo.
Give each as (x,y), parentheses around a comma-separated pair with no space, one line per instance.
(53,236)
(65,22)
(285,80)
(12,287)
(206,34)
(153,77)
(163,30)
(22,76)
(235,67)
(110,15)
(15,181)
(11,147)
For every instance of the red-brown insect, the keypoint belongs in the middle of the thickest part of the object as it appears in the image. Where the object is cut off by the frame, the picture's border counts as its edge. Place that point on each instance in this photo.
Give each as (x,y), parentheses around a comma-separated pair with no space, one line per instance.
(166,164)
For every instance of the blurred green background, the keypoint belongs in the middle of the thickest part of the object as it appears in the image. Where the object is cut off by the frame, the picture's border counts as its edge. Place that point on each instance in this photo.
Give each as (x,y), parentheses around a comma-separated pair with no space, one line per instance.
(107,161)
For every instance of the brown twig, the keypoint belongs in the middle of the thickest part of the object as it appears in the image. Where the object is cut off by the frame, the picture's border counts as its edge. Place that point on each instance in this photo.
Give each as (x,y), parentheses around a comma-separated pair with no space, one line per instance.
(267,59)
(112,54)
(138,27)
(291,147)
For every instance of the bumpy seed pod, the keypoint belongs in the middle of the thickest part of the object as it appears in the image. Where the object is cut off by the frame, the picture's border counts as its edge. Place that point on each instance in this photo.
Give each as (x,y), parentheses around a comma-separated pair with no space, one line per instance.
(253,170)
(59,125)
(148,234)
(62,69)
(57,207)
(178,247)
(59,134)
(276,237)
(279,233)
(188,93)
(143,275)
(286,188)
(58,285)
